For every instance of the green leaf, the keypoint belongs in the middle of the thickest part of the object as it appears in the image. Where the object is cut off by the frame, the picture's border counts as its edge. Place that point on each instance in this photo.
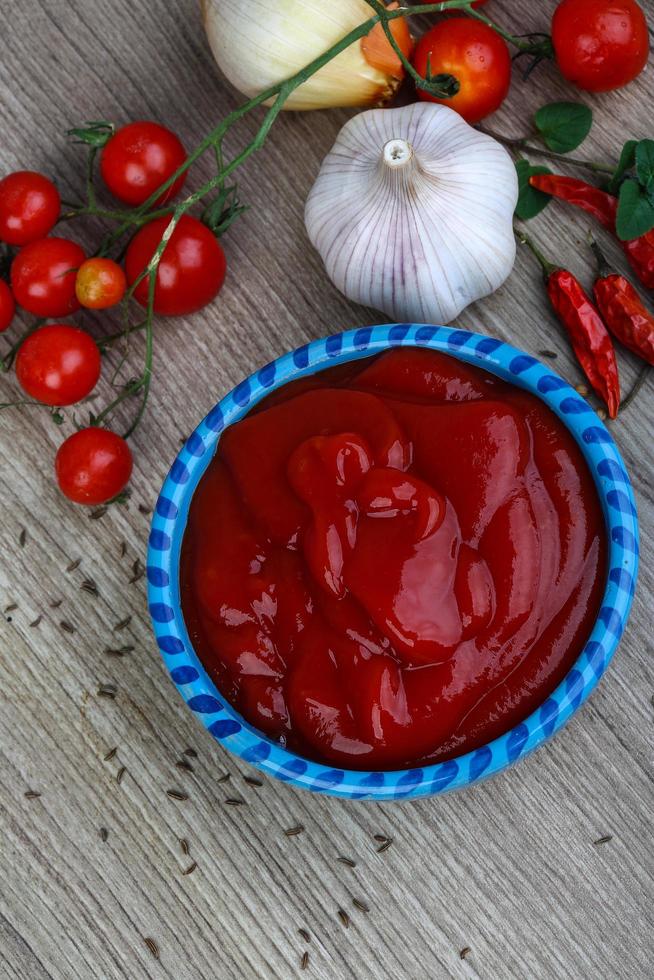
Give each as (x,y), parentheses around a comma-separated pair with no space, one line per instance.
(563,125)
(530,201)
(645,164)
(635,212)
(625,163)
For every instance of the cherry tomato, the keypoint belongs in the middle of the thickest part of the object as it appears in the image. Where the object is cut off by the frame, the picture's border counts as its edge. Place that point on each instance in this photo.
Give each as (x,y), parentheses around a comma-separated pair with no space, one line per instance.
(7,305)
(191,271)
(138,159)
(58,364)
(100,283)
(43,276)
(600,44)
(93,466)
(474,54)
(29,207)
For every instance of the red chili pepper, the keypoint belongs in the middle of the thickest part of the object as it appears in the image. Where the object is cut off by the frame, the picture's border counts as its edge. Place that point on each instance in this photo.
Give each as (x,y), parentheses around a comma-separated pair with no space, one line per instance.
(603,207)
(623,311)
(588,334)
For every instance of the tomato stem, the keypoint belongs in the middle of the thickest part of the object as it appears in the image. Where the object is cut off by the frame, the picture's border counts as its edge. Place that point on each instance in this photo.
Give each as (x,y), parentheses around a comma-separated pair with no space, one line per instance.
(522,143)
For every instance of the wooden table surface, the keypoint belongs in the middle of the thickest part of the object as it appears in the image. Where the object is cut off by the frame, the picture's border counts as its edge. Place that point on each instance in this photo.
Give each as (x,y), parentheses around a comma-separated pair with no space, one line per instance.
(510,870)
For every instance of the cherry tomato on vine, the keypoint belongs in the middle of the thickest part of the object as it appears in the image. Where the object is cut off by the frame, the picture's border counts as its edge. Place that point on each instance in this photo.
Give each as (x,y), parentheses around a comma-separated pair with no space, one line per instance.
(58,364)
(43,276)
(191,270)
(477,56)
(138,159)
(29,207)
(93,466)
(7,305)
(600,44)
(100,283)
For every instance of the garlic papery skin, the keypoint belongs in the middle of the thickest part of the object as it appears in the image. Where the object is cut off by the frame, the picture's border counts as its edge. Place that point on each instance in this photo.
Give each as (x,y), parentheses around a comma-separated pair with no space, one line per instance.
(259,43)
(412,212)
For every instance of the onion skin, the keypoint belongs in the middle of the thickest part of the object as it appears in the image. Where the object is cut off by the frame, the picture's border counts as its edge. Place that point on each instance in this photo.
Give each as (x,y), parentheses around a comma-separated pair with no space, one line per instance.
(259,43)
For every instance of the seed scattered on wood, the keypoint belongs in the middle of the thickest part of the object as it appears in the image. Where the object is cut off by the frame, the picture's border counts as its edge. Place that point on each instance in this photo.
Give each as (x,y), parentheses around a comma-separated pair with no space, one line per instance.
(232,801)
(138,572)
(119,775)
(183,843)
(66,626)
(293,831)
(55,603)
(361,906)
(548,353)
(385,846)
(191,868)
(183,764)
(581,390)
(193,754)
(464,952)
(73,565)
(123,623)
(144,509)
(22,537)
(11,607)
(152,946)
(344,917)
(601,414)
(107,691)
(31,794)
(99,512)
(118,651)
(174,794)
(603,840)
(382,838)
(304,960)
(88,585)
(36,622)
(252,781)
(123,549)
(225,778)
(304,933)
(104,833)
(110,754)
(347,861)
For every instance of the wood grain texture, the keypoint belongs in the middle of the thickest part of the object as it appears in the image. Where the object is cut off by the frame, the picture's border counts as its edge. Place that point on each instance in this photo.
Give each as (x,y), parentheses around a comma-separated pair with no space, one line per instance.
(508,869)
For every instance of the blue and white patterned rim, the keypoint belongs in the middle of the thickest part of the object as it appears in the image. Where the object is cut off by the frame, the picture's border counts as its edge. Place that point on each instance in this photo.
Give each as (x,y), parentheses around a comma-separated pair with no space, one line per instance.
(170,518)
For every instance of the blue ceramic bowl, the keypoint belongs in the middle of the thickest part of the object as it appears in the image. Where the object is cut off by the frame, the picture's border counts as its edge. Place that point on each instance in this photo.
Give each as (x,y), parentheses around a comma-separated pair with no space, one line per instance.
(169,522)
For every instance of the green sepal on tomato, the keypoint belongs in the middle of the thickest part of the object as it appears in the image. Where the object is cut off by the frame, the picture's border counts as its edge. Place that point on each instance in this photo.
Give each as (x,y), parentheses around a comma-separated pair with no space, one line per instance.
(190,273)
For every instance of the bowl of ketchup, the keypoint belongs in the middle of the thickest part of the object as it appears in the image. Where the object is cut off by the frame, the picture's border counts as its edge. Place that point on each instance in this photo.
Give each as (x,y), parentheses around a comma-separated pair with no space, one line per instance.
(392,562)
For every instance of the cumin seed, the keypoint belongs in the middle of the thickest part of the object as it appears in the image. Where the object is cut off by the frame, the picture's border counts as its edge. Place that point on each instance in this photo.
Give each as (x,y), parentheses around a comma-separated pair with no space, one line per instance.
(464,952)
(293,831)
(232,801)
(193,754)
(138,572)
(99,512)
(344,917)
(381,838)
(10,608)
(152,946)
(252,781)
(104,833)
(183,764)
(110,754)
(385,846)
(31,794)
(304,933)
(225,778)
(191,868)
(602,840)
(581,390)
(548,353)
(361,906)
(144,509)
(123,623)
(119,775)
(88,585)
(115,651)
(347,861)
(183,843)
(107,691)
(73,565)
(35,622)
(304,961)
(123,549)
(55,603)
(22,537)
(174,794)
(66,626)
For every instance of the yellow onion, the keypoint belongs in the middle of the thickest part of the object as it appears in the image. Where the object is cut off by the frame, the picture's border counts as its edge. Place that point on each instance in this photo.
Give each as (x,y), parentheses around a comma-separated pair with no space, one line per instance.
(259,43)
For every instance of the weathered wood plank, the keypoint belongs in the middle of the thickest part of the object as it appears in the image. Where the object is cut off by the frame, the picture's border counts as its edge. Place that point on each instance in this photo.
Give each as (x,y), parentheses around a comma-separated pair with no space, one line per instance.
(509,869)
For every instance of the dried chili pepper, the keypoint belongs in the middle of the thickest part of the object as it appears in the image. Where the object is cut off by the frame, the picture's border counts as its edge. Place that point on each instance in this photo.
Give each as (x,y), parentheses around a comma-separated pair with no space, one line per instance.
(603,207)
(622,309)
(588,334)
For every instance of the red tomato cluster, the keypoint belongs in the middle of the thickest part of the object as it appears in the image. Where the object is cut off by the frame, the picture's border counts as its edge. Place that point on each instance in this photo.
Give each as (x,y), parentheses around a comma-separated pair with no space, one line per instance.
(51,277)
(599,45)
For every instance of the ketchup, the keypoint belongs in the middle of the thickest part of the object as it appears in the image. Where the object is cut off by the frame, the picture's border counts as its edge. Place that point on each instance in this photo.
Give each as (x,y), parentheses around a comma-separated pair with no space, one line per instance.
(393,562)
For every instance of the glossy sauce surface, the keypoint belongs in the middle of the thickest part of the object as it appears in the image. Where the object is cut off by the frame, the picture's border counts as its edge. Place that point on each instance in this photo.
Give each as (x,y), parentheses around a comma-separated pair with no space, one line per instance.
(394,561)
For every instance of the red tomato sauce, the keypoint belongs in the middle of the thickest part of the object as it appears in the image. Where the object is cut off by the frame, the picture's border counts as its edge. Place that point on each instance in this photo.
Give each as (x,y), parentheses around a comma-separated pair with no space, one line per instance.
(394,561)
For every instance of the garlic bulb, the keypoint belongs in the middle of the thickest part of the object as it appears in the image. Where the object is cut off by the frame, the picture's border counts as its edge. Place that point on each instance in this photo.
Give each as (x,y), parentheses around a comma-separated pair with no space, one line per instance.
(412,212)
(259,43)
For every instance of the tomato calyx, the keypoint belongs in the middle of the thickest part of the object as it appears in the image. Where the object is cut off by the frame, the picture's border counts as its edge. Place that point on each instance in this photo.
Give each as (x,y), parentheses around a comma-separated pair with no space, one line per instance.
(225,208)
(95,134)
